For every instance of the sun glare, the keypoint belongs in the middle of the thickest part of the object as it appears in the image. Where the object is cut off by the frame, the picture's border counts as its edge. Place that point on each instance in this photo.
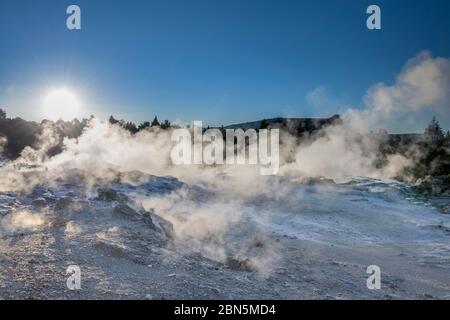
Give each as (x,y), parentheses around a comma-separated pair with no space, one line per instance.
(61,104)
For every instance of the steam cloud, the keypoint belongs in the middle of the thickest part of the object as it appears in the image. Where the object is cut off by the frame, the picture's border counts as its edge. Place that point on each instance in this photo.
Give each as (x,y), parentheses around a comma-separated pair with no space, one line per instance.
(339,152)
(349,150)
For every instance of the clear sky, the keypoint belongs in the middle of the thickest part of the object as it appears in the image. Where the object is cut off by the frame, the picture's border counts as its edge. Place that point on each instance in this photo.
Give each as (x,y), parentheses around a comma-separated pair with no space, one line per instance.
(217,61)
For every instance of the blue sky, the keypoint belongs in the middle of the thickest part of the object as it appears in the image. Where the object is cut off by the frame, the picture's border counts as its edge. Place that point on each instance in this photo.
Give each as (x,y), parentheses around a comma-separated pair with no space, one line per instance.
(217,61)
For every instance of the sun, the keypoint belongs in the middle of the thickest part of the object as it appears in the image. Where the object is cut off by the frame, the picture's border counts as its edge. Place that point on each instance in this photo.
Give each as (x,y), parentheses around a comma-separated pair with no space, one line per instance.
(61,104)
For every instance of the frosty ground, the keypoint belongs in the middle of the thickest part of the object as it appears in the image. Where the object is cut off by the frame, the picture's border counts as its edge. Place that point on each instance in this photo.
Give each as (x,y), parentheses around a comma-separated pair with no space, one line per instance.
(147,237)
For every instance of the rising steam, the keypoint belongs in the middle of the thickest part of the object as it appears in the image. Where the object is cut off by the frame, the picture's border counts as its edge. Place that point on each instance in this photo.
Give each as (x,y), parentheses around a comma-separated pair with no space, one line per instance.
(338,152)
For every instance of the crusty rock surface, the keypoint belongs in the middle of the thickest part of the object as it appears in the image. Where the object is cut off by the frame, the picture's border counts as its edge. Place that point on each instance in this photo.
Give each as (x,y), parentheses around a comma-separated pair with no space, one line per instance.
(313,242)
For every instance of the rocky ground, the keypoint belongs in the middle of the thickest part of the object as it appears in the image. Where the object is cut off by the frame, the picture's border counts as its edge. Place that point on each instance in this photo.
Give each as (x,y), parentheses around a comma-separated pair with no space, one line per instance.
(312,244)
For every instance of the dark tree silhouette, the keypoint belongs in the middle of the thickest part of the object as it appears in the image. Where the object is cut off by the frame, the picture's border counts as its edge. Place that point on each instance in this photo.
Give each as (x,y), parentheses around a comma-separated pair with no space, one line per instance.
(112,120)
(432,154)
(434,130)
(165,124)
(2,114)
(130,126)
(264,124)
(144,125)
(19,134)
(155,122)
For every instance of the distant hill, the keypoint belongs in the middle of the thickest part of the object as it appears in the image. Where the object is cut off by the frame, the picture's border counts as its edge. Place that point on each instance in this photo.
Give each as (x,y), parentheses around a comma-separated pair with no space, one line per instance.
(298,125)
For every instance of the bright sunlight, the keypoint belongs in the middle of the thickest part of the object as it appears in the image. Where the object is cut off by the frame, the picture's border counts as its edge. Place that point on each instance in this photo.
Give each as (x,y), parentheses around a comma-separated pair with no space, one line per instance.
(61,104)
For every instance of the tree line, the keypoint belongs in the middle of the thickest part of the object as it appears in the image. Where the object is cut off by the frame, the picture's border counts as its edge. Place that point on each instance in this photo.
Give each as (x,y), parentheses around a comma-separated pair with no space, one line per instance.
(20,133)
(131,126)
(431,152)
